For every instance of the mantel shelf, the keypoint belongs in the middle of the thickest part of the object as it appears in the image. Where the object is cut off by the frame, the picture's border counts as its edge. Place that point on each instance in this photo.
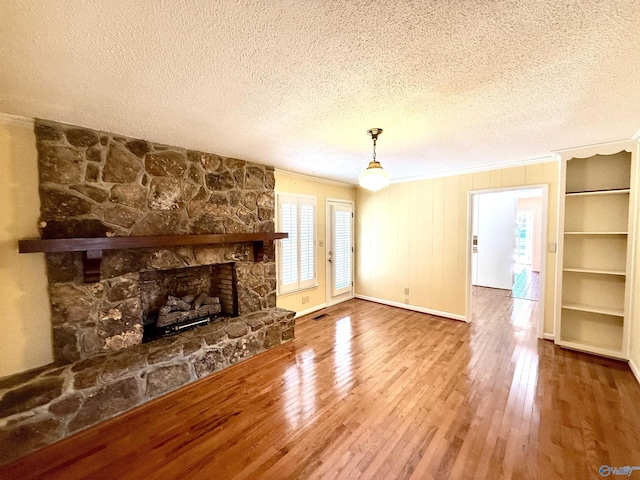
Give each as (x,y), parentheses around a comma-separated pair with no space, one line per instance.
(92,248)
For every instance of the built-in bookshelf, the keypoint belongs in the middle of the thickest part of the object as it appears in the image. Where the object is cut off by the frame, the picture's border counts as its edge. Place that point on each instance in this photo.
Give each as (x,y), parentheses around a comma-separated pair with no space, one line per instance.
(594,258)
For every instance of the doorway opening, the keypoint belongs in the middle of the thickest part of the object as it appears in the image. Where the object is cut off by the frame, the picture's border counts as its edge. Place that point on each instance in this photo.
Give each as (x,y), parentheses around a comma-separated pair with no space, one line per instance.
(507,232)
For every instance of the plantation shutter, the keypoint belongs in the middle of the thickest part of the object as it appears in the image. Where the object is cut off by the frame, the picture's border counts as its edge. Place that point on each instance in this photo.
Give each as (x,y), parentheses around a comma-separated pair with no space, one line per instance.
(307,243)
(296,254)
(289,246)
(342,251)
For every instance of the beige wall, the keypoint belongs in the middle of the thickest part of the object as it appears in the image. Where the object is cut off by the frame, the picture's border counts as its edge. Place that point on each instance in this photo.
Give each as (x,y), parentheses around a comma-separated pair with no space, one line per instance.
(322,189)
(25,342)
(414,234)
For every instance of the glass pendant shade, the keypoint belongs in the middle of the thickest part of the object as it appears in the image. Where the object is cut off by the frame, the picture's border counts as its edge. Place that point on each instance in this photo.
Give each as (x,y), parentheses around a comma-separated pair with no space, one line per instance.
(374,177)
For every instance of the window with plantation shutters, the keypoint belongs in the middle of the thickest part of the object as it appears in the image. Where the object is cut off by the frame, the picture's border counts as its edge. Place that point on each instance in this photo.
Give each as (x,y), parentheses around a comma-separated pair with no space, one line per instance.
(289,246)
(307,241)
(296,254)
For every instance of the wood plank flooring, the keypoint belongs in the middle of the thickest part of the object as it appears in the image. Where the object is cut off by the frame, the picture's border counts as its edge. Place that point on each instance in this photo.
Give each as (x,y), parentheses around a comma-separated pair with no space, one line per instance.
(370,391)
(526,283)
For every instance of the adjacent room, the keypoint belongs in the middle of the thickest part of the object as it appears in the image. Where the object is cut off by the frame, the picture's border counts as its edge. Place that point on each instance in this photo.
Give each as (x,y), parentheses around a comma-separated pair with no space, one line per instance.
(322,239)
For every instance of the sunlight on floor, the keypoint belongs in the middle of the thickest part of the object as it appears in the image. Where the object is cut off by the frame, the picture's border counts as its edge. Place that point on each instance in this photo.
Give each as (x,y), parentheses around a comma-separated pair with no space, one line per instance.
(300,389)
(343,356)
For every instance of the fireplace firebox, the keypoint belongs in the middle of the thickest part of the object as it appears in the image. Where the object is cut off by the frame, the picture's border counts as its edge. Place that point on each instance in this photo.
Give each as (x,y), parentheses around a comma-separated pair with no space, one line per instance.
(184,298)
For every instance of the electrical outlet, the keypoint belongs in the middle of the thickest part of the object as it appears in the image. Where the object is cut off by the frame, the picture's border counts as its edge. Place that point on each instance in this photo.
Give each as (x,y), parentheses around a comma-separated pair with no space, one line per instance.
(406,301)
(406,291)
(305,299)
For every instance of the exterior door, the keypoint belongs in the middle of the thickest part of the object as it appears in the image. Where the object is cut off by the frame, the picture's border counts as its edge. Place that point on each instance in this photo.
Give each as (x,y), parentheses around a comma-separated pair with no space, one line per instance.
(339,251)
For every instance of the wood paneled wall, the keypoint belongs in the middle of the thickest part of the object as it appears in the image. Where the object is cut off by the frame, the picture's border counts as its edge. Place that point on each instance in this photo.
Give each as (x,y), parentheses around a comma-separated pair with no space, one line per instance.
(413,235)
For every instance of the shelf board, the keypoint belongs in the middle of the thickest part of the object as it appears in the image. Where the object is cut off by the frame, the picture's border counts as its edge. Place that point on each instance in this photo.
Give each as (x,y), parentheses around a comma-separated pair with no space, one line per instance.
(596,233)
(598,349)
(596,271)
(619,191)
(614,312)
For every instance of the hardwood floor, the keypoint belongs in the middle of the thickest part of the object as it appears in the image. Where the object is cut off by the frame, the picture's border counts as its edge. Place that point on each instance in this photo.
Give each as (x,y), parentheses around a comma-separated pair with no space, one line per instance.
(370,391)
(526,283)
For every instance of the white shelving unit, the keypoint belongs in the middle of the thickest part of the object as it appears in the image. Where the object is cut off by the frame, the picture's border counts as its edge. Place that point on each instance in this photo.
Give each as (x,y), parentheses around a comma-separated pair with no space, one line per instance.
(596,225)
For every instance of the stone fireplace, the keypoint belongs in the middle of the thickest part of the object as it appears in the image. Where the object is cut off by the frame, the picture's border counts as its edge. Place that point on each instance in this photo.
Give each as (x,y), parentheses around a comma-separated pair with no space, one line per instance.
(96,185)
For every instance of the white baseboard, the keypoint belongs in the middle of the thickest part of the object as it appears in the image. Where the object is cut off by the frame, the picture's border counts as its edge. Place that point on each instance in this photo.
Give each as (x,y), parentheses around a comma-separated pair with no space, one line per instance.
(336,302)
(310,310)
(549,336)
(635,370)
(453,316)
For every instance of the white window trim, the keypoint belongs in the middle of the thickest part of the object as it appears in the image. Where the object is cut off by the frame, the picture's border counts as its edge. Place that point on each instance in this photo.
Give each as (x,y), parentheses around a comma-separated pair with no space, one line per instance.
(298,199)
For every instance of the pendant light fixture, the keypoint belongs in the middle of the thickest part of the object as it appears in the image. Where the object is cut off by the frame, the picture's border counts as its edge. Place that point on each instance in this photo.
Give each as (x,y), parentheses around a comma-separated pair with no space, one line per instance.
(374,177)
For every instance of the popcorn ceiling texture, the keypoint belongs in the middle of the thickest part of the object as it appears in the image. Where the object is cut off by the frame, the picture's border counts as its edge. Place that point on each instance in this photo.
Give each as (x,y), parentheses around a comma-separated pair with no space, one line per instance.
(455,85)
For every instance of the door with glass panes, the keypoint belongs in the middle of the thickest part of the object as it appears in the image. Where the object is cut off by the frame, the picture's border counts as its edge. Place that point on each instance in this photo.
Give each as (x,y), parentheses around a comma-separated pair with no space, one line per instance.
(339,251)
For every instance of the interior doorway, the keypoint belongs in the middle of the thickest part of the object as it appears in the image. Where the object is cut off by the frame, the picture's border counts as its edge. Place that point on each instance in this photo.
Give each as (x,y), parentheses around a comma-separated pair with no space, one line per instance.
(507,228)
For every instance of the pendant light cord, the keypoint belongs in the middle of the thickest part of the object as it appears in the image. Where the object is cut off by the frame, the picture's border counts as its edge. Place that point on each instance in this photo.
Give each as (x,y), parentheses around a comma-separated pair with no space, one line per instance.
(375,137)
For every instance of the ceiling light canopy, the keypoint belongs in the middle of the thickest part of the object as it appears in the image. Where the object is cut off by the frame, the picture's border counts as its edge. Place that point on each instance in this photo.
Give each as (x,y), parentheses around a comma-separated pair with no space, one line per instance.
(374,177)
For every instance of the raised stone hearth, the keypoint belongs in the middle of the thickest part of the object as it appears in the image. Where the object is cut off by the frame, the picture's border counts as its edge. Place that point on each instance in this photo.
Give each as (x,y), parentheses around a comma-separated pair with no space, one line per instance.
(45,405)
(97,184)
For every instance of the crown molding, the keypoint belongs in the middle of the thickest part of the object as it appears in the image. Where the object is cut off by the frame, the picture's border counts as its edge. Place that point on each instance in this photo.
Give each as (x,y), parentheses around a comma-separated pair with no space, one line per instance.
(485,168)
(311,178)
(16,119)
(604,148)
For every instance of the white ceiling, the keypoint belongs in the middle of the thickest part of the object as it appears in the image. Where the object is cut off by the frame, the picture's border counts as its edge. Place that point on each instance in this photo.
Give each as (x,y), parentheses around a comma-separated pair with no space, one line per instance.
(454,84)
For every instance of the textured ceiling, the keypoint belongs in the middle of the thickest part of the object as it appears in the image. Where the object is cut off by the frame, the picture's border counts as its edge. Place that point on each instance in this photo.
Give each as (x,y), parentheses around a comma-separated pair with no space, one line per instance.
(454,84)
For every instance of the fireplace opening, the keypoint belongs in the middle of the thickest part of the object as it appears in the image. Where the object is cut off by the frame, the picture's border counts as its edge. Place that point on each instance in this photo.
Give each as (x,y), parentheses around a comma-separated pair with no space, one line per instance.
(177,300)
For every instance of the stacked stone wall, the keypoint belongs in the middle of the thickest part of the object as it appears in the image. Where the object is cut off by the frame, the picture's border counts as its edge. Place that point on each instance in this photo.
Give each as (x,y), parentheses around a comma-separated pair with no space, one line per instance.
(96,184)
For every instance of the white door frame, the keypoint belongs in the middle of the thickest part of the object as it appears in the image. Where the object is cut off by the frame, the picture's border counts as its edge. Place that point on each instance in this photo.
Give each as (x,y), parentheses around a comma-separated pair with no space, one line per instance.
(543,260)
(328,243)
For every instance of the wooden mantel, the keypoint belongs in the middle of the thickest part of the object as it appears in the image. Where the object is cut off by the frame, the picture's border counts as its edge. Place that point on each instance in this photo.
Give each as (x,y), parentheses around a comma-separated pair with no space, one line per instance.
(92,248)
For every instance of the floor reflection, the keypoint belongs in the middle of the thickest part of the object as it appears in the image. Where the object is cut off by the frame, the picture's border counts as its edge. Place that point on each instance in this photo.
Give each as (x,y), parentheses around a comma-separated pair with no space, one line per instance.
(505,328)
(300,389)
(343,355)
